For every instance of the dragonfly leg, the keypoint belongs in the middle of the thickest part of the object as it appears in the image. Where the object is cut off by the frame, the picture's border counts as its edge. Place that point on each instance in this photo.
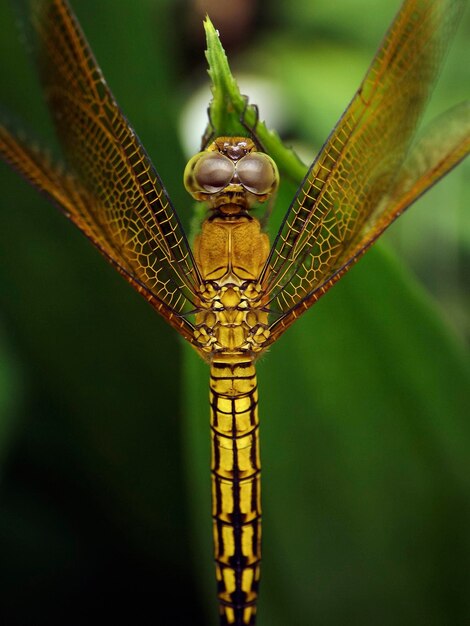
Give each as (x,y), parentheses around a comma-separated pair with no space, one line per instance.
(251,128)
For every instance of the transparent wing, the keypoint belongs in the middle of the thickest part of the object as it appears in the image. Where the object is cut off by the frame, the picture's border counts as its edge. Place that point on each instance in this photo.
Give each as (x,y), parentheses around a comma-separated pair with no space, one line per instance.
(346,198)
(440,148)
(442,145)
(66,192)
(119,200)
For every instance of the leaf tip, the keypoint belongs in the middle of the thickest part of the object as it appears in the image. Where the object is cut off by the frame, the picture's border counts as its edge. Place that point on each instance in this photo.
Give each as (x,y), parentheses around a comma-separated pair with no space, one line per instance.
(210,30)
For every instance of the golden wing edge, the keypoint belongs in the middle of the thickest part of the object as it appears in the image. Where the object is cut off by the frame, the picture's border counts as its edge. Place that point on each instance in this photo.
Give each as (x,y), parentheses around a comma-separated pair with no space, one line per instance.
(278,270)
(443,143)
(62,47)
(60,188)
(455,123)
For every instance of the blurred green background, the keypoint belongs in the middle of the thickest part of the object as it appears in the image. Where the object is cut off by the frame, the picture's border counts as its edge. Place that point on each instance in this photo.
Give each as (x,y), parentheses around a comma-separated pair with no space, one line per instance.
(104,492)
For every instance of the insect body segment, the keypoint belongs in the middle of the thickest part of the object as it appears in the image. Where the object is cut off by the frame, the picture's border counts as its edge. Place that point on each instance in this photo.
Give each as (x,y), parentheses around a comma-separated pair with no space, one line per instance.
(230,253)
(236,487)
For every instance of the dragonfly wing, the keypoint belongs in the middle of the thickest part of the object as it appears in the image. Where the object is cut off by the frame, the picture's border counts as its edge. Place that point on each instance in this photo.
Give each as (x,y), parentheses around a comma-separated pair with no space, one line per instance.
(442,145)
(61,188)
(439,148)
(128,211)
(343,193)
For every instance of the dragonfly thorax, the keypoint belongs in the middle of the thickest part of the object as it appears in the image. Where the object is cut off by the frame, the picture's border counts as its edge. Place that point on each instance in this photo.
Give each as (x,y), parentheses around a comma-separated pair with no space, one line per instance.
(230,255)
(231,319)
(231,175)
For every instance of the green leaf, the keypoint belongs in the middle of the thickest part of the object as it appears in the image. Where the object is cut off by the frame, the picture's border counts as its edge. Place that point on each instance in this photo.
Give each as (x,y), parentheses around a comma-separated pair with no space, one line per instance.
(230,114)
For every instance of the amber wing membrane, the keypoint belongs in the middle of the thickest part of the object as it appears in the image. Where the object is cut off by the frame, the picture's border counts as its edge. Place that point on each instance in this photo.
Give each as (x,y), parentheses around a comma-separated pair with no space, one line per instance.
(110,189)
(355,188)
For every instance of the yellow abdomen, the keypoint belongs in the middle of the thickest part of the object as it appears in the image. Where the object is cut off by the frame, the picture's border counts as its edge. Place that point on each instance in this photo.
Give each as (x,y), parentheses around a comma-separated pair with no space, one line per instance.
(236,493)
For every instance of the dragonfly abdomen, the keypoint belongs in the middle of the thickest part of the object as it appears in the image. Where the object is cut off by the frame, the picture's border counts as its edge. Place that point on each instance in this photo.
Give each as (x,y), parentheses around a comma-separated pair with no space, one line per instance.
(236,494)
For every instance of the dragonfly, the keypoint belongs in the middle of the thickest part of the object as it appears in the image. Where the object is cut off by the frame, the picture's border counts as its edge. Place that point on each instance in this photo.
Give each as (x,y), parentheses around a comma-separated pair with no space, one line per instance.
(233,293)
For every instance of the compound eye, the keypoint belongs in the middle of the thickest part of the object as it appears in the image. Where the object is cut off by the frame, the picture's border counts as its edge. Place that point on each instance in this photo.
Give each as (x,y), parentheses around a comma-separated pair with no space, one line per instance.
(213,172)
(257,173)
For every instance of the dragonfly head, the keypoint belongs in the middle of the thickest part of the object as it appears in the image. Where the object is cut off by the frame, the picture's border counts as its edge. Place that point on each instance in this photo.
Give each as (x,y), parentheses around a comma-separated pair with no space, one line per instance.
(231,175)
